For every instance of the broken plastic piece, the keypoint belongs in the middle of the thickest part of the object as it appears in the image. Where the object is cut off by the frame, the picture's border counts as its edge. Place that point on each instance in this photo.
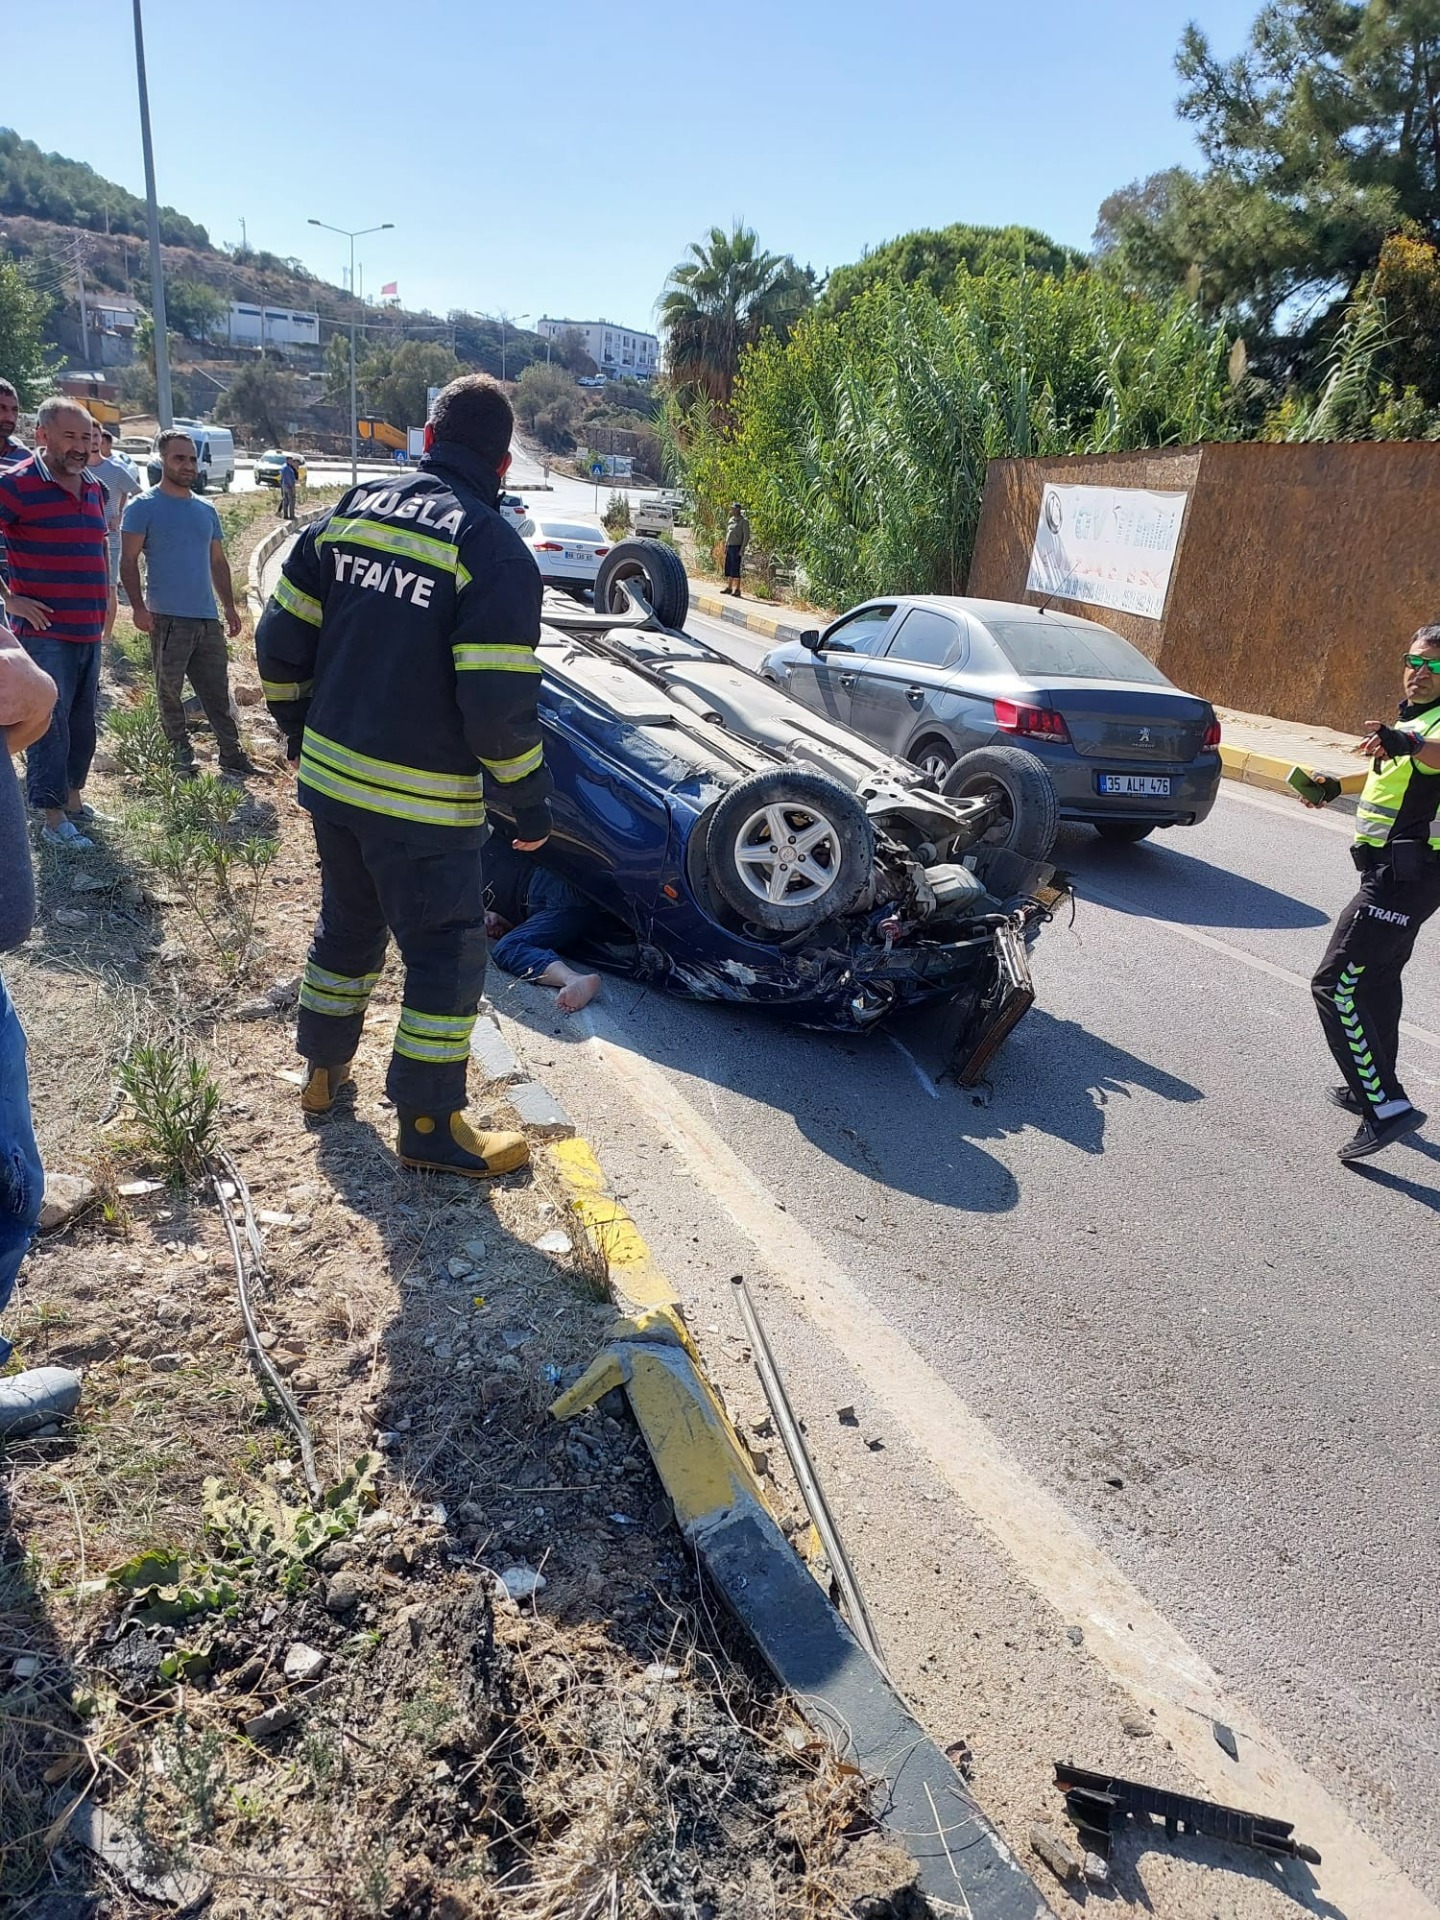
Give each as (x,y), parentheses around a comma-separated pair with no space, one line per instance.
(1099,1802)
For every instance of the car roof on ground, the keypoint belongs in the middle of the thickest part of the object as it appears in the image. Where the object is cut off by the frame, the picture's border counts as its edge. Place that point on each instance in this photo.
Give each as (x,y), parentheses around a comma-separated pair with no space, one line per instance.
(982,610)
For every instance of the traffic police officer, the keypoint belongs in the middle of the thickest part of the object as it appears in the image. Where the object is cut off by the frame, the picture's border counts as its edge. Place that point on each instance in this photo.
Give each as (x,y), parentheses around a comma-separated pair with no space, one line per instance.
(397,657)
(1397,849)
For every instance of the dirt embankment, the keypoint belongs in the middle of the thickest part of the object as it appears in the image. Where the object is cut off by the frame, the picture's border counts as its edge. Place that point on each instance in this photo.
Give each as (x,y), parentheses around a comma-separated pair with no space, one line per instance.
(482,1678)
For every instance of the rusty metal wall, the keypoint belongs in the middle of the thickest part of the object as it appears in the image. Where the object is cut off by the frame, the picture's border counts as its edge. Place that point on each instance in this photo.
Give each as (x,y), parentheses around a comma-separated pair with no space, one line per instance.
(1301,570)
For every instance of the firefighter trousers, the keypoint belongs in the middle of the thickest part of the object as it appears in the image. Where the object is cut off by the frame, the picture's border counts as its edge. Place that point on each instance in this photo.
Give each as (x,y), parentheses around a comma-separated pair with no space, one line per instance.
(374,883)
(1357,988)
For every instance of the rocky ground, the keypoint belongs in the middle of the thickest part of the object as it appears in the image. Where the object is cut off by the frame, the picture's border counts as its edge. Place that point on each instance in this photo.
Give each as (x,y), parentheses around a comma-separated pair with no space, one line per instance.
(482,1675)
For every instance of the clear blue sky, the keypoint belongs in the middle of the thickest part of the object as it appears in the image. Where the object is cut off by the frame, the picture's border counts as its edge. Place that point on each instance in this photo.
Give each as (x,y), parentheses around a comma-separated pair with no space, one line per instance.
(538,160)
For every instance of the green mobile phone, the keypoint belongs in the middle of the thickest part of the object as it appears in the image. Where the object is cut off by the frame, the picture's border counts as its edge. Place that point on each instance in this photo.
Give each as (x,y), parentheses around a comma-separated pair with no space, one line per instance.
(1319,788)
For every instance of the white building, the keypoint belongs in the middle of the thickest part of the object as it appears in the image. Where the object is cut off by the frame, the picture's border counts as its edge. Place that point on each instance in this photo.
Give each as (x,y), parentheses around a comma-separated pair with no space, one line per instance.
(617,351)
(257,326)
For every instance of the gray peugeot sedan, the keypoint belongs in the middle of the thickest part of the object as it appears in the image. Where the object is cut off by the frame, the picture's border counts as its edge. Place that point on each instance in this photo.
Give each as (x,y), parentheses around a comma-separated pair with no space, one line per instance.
(933,677)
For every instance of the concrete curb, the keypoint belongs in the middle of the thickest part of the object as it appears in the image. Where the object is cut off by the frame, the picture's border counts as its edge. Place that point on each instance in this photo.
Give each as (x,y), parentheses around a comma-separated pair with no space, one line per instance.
(716,606)
(270,546)
(1264,770)
(962,1864)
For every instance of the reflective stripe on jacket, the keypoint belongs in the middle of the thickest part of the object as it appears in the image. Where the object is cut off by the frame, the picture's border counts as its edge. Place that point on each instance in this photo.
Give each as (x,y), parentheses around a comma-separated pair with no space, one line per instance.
(1392,804)
(397,655)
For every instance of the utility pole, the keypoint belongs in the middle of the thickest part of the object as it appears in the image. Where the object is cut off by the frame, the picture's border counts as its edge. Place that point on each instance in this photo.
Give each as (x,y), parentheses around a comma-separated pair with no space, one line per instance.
(244,237)
(163,407)
(80,283)
(346,234)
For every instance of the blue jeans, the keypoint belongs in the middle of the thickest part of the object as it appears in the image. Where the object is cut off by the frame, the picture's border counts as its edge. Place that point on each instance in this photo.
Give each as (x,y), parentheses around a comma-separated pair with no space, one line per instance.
(558,915)
(22,1178)
(62,759)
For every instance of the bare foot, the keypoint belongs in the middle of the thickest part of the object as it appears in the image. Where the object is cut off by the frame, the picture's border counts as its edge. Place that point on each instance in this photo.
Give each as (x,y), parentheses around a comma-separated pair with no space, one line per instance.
(580,991)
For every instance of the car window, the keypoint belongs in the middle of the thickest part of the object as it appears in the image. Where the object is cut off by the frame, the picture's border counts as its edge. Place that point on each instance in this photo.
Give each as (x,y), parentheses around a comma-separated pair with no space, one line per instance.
(928,639)
(860,632)
(1064,650)
(562,530)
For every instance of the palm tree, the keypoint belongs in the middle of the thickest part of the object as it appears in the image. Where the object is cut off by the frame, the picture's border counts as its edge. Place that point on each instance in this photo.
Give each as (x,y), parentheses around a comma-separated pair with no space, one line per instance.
(721,299)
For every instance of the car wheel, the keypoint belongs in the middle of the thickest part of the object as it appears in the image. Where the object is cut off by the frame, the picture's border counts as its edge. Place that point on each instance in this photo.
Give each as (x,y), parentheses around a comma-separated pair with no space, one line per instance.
(789,849)
(658,572)
(934,759)
(1122,833)
(1026,819)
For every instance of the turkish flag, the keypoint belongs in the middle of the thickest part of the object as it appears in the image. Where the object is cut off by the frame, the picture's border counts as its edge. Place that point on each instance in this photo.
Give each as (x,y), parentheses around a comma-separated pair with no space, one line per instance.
(392,286)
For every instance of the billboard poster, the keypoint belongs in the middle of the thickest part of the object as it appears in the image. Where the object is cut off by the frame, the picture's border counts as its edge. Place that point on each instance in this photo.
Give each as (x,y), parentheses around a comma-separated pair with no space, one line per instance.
(1106,547)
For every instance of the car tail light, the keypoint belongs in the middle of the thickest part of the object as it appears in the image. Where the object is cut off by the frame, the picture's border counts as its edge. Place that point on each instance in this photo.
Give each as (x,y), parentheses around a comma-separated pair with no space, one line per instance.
(600,552)
(1042,723)
(1212,734)
(548,546)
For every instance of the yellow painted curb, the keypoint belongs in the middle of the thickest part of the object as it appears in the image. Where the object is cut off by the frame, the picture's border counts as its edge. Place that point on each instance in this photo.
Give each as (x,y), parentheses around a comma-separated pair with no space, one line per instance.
(719,608)
(697,1452)
(635,1282)
(1264,770)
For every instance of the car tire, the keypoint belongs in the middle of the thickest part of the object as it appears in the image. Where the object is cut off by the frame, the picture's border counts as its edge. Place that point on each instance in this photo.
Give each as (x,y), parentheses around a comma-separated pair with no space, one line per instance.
(1122,833)
(934,759)
(1009,857)
(656,569)
(739,855)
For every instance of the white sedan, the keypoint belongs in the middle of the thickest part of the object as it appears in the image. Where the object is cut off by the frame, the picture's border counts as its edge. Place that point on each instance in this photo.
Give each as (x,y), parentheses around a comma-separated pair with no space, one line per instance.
(567,553)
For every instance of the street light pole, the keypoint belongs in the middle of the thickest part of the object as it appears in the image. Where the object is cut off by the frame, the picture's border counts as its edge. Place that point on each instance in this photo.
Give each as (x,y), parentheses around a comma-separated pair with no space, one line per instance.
(163,406)
(346,234)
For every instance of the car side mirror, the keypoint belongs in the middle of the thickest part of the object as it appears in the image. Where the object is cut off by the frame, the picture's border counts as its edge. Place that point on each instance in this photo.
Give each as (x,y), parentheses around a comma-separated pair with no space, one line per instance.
(811,639)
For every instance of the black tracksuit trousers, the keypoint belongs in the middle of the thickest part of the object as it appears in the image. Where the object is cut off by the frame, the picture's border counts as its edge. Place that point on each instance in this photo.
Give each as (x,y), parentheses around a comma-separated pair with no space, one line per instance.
(1357,988)
(373,883)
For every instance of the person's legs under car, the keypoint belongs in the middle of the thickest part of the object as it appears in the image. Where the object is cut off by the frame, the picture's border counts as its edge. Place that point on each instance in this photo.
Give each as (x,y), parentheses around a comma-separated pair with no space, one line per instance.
(559,917)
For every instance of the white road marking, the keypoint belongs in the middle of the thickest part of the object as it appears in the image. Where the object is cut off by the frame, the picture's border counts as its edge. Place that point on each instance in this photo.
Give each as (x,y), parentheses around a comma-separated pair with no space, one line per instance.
(1292,810)
(1133,908)
(915,1067)
(1133,1641)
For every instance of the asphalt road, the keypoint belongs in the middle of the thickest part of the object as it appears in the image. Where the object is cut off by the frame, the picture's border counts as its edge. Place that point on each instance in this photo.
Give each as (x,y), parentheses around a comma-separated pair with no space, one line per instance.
(1140,1264)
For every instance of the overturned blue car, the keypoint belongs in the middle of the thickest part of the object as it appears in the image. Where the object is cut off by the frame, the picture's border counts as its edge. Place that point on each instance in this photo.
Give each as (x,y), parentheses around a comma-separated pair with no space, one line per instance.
(744,849)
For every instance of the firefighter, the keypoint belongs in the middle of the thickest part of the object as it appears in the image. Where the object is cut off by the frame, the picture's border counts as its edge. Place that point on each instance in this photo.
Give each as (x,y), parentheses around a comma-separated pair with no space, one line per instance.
(1397,850)
(397,658)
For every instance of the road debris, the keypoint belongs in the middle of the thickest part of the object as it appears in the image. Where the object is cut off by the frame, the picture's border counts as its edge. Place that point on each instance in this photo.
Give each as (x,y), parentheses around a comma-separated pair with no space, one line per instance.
(1099,1804)
(1057,1853)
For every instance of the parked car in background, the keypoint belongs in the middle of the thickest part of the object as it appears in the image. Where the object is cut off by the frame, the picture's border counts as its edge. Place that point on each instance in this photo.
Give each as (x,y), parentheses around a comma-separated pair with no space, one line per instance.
(513,509)
(267,468)
(936,678)
(214,453)
(567,552)
(654,514)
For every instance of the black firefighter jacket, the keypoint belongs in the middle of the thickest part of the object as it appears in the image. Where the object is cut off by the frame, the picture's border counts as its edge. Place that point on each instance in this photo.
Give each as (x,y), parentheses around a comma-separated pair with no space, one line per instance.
(397,654)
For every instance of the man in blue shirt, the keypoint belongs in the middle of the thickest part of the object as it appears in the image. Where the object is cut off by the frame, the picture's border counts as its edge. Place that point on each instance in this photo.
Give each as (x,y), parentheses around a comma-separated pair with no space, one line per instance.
(185,568)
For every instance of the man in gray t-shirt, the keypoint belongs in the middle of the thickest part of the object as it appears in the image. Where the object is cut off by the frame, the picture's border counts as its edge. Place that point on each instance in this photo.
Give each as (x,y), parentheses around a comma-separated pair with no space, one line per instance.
(119,484)
(185,568)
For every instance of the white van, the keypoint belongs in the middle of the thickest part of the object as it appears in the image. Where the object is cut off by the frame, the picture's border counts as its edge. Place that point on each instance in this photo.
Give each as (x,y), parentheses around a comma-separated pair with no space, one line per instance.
(215,455)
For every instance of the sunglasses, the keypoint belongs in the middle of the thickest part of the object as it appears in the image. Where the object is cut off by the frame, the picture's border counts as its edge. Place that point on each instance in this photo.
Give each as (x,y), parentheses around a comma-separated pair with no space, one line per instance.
(1418,660)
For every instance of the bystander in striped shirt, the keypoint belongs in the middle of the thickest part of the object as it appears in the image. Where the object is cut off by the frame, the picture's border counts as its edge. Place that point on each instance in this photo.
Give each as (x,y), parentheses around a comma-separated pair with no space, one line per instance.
(55,549)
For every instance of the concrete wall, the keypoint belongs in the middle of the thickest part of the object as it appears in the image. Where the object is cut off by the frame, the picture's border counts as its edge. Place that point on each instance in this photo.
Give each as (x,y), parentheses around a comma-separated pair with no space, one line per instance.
(1301,570)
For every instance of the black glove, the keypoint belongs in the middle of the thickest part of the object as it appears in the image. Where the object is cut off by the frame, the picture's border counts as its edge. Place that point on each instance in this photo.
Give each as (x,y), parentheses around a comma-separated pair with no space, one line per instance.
(533,823)
(1396,744)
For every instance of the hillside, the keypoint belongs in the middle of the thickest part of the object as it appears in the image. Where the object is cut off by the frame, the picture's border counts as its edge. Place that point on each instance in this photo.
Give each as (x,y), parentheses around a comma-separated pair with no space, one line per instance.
(49,203)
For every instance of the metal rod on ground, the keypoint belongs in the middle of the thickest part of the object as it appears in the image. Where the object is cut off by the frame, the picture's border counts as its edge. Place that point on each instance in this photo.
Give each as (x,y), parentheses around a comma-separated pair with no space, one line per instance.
(283,1396)
(789,1429)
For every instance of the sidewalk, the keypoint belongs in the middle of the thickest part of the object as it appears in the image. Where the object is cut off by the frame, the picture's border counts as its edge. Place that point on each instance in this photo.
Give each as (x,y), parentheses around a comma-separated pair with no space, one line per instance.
(1255,748)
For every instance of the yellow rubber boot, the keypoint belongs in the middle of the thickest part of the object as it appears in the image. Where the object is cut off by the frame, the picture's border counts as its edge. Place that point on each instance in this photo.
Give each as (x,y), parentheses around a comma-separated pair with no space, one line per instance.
(322,1085)
(451,1145)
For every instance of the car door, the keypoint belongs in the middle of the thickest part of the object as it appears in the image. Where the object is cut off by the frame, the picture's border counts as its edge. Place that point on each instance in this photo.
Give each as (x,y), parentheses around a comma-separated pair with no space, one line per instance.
(900,692)
(825,680)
